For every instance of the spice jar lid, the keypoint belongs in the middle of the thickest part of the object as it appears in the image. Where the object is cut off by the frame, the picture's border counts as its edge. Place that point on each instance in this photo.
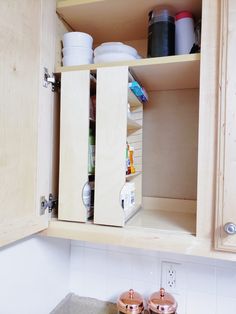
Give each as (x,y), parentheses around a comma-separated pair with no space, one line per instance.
(162,303)
(130,302)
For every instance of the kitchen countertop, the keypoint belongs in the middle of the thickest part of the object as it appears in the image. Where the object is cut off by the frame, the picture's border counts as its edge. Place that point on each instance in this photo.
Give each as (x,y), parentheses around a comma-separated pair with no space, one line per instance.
(73,304)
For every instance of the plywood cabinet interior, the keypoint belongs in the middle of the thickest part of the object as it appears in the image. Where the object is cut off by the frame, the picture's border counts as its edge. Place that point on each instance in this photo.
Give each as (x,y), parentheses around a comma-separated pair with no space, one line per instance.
(167,148)
(169,140)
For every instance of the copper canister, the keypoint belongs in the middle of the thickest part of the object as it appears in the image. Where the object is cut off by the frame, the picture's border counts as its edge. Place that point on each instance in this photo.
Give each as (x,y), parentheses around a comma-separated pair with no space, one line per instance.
(130,302)
(162,302)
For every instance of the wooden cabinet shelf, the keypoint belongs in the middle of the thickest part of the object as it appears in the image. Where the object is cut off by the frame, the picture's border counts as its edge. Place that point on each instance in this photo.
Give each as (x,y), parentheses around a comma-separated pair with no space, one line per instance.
(133,100)
(180,222)
(133,175)
(121,20)
(163,73)
(133,125)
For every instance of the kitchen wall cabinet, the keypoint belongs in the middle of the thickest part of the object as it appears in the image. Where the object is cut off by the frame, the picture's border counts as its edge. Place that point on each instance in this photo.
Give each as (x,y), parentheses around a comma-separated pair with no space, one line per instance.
(179,130)
(178,146)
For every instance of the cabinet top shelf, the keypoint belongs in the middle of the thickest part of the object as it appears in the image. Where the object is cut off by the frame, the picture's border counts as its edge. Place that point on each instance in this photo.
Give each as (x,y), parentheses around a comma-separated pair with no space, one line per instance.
(165,73)
(112,20)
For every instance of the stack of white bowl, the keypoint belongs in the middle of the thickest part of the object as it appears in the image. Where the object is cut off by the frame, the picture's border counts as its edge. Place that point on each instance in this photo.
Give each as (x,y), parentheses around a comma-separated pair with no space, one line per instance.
(114,51)
(77,49)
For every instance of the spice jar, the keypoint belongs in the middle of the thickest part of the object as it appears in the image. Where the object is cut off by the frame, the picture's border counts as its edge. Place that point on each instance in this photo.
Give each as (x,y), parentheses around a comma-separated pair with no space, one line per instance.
(162,303)
(130,302)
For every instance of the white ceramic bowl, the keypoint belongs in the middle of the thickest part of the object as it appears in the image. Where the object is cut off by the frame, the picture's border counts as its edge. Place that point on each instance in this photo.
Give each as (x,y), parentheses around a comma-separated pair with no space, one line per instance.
(115,47)
(113,56)
(76,60)
(73,39)
(77,51)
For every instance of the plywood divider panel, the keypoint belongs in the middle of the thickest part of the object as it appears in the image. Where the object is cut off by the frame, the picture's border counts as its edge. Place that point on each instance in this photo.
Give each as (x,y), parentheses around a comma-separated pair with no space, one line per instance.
(111,130)
(73,173)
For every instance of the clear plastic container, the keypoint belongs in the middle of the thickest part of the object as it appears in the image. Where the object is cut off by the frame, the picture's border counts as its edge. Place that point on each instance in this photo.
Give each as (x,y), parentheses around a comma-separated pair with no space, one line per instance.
(161,33)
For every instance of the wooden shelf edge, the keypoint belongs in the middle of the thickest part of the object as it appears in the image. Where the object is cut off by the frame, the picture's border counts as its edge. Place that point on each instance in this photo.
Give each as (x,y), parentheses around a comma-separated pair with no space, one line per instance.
(133,125)
(71,3)
(132,175)
(134,63)
(131,212)
(136,238)
(133,100)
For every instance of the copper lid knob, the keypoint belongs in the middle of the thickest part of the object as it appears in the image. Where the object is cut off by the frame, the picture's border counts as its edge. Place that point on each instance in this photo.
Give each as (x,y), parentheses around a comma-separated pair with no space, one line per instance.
(130,302)
(162,303)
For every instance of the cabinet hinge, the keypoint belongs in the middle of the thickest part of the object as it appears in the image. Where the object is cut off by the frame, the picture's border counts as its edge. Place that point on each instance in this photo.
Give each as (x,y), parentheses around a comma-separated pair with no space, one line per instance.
(49,204)
(51,79)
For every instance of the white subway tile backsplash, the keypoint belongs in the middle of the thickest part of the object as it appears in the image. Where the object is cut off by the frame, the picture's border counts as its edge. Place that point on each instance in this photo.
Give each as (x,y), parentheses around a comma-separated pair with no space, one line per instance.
(225,305)
(132,250)
(89,284)
(145,268)
(181,300)
(200,303)
(145,288)
(205,285)
(120,264)
(199,277)
(95,261)
(77,258)
(116,286)
(226,282)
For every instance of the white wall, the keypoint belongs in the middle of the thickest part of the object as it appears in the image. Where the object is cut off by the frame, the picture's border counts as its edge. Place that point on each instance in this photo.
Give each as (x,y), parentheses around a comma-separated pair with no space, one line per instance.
(205,286)
(34,275)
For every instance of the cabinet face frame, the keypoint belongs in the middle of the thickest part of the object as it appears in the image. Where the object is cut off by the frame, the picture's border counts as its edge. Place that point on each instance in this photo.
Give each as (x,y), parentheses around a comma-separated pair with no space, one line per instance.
(226,171)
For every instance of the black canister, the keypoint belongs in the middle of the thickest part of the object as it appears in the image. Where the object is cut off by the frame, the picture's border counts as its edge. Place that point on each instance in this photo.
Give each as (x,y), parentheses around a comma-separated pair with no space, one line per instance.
(161,33)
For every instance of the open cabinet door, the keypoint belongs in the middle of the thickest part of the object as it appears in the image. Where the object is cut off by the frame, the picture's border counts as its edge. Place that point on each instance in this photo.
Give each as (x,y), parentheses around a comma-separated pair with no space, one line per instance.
(27,33)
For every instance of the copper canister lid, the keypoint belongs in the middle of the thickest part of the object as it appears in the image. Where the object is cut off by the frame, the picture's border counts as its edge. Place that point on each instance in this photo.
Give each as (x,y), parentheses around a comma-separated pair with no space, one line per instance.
(130,302)
(162,303)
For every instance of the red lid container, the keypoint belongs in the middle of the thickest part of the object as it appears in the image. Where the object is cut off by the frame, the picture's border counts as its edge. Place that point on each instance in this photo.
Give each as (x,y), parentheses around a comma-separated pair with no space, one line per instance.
(182,15)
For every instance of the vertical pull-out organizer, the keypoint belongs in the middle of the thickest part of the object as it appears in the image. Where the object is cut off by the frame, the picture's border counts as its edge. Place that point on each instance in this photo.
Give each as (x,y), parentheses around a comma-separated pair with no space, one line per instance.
(74,141)
(112,130)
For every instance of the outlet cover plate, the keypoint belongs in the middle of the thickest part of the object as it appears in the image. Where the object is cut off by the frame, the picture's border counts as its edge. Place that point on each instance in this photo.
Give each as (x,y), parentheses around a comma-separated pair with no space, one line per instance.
(171,276)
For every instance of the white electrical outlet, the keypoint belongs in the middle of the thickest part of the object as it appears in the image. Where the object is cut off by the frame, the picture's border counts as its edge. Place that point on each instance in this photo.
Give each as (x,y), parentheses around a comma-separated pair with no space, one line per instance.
(170,272)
